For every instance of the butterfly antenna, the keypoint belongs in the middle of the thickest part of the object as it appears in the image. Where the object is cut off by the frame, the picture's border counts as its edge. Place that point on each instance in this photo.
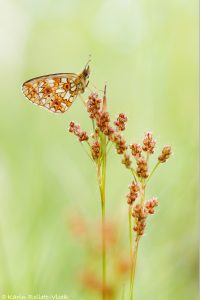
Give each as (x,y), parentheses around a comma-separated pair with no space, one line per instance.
(89,60)
(96,88)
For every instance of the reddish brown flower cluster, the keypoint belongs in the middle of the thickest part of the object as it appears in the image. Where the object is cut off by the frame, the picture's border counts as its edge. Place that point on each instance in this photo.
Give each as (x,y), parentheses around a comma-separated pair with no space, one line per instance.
(123,266)
(141,208)
(92,282)
(76,129)
(95,149)
(136,150)
(140,214)
(85,234)
(103,121)
(120,123)
(166,153)
(148,146)
(126,160)
(96,109)
(149,143)
(102,118)
(120,142)
(93,105)
(142,168)
(151,204)
(133,193)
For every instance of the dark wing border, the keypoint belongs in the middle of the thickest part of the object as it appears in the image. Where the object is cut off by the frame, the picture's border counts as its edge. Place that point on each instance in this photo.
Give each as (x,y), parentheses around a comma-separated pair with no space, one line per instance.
(51,75)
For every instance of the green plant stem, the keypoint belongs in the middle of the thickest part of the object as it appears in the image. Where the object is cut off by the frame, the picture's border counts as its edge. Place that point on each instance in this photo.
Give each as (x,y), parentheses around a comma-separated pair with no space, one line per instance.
(155,167)
(110,146)
(93,125)
(131,245)
(143,189)
(103,248)
(102,185)
(133,266)
(134,174)
(123,293)
(130,229)
(86,152)
(136,242)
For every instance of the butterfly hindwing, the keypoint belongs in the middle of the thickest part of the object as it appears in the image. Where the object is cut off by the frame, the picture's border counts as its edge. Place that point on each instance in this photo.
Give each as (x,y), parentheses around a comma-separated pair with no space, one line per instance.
(55,92)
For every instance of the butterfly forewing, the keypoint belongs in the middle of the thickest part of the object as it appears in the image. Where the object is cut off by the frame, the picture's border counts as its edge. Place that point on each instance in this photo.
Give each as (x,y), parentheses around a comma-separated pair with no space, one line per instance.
(55,92)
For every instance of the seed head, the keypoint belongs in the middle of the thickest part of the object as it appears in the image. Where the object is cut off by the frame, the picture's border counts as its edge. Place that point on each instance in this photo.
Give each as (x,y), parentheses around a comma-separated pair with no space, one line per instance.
(103,120)
(148,143)
(76,129)
(121,122)
(93,105)
(142,168)
(108,131)
(119,141)
(136,150)
(166,153)
(95,148)
(133,193)
(151,204)
(83,136)
(126,161)
(140,214)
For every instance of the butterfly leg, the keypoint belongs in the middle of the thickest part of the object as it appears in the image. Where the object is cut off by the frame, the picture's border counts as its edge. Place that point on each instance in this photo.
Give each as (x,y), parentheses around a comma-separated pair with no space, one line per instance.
(84,101)
(102,91)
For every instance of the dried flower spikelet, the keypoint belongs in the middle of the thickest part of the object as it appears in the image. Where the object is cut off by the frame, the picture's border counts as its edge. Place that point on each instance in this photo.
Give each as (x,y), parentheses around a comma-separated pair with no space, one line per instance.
(78,226)
(83,136)
(120,123)
(104,104)
(109,131)
(123,266)
(166,153)
(90,281)
(142,168)
(136,150)
(110,232)
(95,148)
(120,142)
(95,134)
(133,193)
(149,143)
(76,129)
(140,214)
(102,120)
(93,105)
(126,161)
(151,204)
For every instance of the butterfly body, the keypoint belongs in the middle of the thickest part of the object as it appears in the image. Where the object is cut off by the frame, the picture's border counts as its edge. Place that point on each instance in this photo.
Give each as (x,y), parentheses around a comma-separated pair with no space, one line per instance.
(56,92)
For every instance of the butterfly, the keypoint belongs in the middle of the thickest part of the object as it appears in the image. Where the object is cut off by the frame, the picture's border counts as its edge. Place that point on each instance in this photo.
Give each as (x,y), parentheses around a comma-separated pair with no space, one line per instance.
(56,92)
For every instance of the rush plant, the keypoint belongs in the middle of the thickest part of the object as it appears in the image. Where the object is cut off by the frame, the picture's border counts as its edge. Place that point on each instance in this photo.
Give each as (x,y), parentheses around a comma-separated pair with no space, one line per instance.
(135,158)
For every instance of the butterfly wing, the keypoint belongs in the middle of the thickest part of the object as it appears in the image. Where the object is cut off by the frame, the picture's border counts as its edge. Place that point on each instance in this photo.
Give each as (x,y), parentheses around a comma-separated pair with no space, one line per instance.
(55,92)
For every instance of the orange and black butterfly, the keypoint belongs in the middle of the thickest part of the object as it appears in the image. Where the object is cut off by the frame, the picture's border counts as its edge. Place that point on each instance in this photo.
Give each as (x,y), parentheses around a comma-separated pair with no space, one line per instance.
(56,92)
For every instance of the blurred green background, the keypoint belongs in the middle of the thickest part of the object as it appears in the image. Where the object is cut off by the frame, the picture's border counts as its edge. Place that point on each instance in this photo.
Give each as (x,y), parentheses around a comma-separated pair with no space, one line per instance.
(147,53)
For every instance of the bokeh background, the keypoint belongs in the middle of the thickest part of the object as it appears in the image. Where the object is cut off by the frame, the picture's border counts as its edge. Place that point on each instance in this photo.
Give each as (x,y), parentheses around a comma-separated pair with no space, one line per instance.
(146,51)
